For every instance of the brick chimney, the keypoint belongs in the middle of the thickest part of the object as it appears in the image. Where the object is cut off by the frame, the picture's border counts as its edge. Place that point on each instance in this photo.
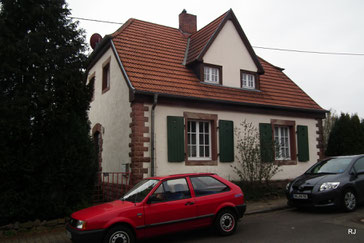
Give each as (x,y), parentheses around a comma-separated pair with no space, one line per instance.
(187,22)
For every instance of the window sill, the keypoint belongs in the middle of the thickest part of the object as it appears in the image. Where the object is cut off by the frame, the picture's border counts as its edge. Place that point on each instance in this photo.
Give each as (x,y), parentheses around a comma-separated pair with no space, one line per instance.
(201,162)
(230,87)
(285,162)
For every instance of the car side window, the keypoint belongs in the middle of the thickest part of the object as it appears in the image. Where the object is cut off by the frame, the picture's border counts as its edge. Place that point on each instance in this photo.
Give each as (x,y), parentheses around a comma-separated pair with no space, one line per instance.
(171,190)
(206,185)
(359,165)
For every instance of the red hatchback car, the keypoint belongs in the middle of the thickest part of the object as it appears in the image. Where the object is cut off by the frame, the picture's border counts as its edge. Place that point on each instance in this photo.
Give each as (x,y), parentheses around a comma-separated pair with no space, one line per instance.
(160,205)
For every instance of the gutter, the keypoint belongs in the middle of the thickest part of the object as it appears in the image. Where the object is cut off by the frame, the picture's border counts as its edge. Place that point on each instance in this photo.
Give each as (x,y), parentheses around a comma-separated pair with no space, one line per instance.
(121,65)
(251,105)
(152,140)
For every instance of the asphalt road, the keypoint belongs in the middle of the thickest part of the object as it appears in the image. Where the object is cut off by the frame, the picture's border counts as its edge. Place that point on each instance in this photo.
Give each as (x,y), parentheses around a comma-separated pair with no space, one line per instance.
(280,226)
(285,226)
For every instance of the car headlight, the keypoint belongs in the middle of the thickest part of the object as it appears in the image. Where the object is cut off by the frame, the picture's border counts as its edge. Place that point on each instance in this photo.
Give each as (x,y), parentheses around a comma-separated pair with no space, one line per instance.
(287,186)
(329,186)
(79,224)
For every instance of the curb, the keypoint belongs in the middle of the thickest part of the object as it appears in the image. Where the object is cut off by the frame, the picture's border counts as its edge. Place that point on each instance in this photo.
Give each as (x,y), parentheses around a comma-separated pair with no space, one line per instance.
(268,210)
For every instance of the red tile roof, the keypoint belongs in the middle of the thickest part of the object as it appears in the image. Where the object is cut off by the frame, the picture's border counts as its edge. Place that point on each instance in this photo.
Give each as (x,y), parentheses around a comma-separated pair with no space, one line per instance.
(153,56)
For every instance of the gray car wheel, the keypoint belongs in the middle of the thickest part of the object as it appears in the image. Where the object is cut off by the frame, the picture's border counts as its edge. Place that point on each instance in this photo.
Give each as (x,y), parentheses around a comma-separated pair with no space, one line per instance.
(349,201)
(226,222)
(119,234)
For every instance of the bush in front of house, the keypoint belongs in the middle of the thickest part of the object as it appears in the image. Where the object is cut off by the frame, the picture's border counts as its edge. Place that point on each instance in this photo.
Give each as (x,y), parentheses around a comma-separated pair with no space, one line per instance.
(257,191)
(255,160)
(47,165)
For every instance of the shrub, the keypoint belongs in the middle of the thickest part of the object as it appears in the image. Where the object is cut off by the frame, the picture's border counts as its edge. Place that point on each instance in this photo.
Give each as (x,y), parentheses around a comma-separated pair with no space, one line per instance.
(249,156)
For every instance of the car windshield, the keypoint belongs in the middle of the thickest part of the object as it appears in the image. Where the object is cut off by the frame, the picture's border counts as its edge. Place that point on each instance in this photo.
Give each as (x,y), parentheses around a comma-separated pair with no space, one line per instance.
(139,191)
(331,166)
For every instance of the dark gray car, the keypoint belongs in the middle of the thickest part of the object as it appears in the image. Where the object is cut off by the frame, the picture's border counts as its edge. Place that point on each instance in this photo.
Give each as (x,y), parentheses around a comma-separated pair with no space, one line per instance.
(336,181)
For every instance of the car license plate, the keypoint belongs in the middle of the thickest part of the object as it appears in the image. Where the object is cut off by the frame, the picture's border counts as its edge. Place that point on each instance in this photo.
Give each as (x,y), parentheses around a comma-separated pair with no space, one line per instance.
(300,196)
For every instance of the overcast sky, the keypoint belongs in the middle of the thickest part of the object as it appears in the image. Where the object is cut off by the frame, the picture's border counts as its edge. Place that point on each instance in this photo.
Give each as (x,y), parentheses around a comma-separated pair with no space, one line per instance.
(333,81)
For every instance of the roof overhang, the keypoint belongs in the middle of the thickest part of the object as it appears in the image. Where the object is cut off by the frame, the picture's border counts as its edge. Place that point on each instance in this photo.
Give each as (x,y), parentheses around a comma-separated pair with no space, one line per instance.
(313,112)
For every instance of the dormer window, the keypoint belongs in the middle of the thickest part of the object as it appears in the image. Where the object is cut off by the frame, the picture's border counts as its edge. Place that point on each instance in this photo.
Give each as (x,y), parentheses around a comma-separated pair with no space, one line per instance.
(212,74)
(248,80)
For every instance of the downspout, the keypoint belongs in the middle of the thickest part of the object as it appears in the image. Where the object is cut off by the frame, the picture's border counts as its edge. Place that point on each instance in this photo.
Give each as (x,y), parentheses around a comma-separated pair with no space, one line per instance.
(152,142)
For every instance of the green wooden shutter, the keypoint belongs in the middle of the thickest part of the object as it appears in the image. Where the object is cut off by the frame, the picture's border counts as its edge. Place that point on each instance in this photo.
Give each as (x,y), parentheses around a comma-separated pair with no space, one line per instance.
(226,141)
(176,139)
(266,142)
(302,140)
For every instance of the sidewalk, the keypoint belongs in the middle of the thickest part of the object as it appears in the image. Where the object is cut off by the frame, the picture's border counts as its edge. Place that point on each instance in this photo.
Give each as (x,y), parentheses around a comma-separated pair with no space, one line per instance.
(58,235)
(256,207)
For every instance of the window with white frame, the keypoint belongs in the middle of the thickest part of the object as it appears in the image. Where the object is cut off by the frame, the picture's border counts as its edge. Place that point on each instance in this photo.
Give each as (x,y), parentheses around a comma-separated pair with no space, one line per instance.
(211,74)
(199,140)
(282,143)
(247,80)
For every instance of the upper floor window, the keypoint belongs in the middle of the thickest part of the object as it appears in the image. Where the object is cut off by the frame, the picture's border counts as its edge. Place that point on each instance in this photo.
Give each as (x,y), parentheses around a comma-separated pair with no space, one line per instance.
(248,80)
(106,78)
(212,74)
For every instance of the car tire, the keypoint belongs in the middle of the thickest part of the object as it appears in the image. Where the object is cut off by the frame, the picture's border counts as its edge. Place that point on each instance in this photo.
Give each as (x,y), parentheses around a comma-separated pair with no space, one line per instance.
(118,233)
(349,201)
(225,222)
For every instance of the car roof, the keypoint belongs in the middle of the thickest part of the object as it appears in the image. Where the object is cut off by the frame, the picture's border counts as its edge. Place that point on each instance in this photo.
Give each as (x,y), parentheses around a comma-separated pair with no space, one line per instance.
(347,156)
(179,175)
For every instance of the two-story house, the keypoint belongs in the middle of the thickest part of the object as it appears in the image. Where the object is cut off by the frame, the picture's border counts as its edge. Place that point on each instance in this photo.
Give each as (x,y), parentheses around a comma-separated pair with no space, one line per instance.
(167,100)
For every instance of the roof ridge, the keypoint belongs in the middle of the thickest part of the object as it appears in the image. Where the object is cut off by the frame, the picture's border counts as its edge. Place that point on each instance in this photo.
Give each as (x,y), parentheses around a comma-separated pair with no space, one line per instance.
(214,33)
(209,23)
(122,27)
(196,37)
(144,21)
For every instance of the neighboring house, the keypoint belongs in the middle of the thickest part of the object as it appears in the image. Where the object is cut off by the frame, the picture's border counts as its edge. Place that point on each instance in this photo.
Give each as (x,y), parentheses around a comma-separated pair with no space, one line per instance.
(167,100)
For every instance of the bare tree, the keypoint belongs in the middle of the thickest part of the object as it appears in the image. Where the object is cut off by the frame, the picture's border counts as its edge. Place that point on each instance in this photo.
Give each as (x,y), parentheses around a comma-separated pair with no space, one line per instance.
(249,165)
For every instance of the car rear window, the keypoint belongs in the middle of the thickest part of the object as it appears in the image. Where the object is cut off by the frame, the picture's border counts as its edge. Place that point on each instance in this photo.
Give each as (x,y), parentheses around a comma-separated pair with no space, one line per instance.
(206,185)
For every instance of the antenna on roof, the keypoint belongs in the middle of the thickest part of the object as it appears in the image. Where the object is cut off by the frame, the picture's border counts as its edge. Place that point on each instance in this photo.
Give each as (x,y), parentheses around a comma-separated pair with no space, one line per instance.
(95,39)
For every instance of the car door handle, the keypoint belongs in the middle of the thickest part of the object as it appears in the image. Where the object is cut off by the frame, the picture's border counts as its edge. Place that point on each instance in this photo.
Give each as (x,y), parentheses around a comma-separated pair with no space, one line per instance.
(189,203)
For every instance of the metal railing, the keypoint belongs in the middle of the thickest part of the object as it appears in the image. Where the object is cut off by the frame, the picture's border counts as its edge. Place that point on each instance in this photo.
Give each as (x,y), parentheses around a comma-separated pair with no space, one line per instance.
(111,186)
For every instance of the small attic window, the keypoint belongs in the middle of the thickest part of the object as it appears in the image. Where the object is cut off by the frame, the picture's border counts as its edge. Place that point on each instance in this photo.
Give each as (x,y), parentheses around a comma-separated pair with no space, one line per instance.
(249,80)
(212,73)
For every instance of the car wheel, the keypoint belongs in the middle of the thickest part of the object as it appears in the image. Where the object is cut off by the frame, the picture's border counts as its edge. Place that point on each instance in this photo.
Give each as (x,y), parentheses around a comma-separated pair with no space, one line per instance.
(349,201)
(225,222)
(119,234)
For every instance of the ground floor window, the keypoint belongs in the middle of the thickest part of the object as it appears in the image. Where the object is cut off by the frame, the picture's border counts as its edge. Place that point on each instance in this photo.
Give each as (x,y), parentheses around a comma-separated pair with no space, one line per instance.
(199,140)
(282,143)
(196,137)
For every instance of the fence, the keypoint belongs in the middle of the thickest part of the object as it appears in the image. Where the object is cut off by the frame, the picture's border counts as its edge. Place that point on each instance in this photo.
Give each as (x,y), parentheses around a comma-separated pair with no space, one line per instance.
(111,186)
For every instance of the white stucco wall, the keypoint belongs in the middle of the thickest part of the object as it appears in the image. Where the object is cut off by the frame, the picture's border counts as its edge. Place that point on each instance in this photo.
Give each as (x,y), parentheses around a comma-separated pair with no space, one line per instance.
(229,51)
(163,167)
(112,111)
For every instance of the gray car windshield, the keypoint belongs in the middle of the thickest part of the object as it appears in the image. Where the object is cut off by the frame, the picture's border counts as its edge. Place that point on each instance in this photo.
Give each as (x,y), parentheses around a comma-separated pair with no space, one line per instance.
(139,191)
(331,166)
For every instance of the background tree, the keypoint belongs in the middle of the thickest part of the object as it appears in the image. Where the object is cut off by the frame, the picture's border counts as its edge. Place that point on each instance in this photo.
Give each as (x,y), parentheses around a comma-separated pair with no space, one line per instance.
(47,165)
(346,136)
(327,125)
